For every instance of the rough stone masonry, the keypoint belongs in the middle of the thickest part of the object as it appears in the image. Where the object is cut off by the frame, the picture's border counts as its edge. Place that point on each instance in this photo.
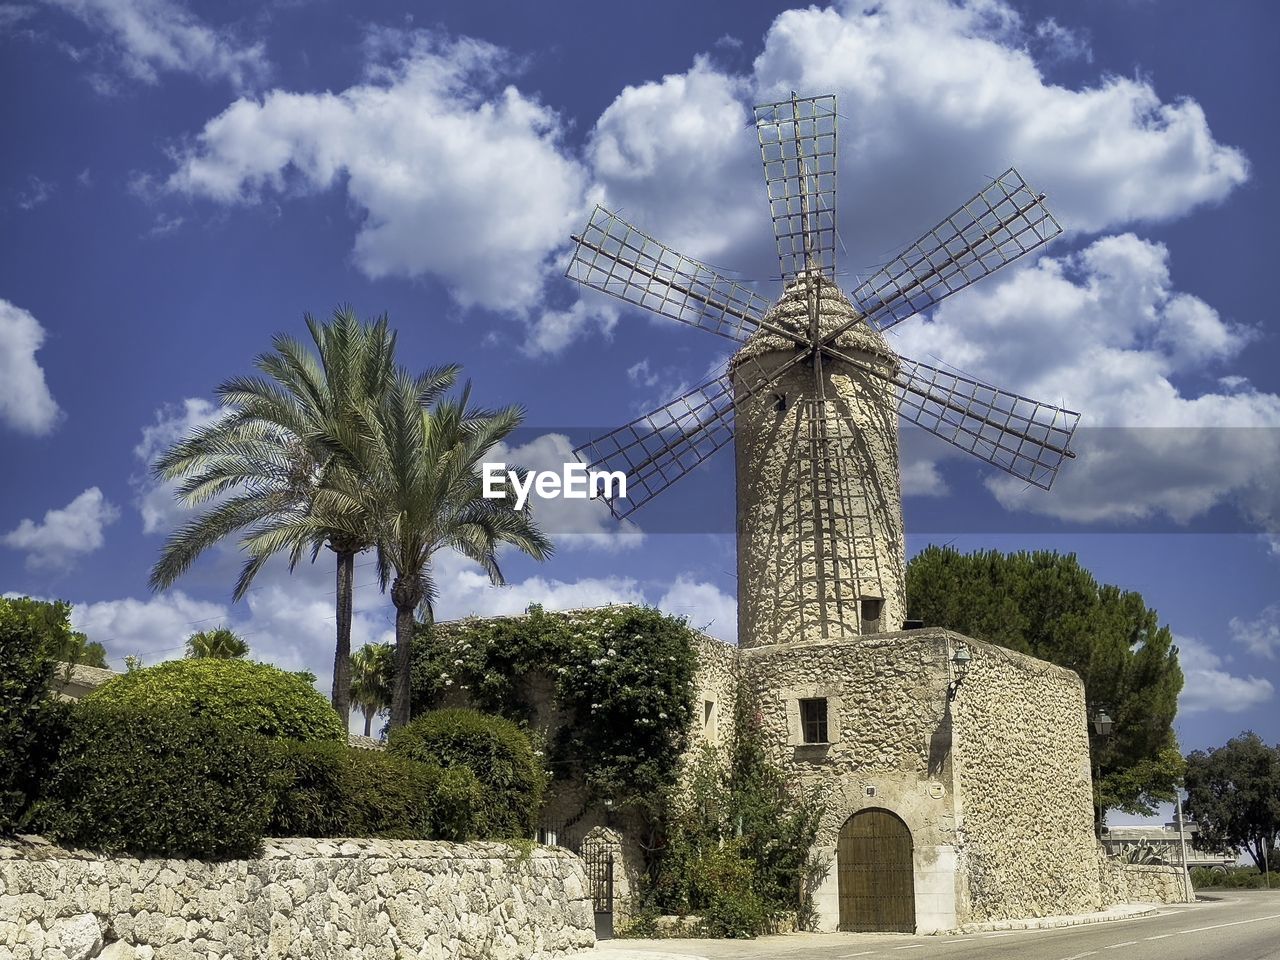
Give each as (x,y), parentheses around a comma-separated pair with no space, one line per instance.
(302,900)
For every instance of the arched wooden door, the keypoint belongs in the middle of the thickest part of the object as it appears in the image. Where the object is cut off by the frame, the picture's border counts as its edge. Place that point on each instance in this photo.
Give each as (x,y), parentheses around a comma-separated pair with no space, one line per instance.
(877,884)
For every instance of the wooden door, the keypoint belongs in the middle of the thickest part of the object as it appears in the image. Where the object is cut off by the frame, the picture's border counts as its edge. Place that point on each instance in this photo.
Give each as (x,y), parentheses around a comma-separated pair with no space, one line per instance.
(877,884)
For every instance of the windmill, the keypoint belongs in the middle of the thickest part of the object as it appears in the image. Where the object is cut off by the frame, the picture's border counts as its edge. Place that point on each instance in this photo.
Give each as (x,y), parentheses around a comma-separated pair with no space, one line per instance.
(812,390)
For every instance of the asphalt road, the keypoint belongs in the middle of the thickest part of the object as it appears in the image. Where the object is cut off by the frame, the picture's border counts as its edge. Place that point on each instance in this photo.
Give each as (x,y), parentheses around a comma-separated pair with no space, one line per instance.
(1236,925)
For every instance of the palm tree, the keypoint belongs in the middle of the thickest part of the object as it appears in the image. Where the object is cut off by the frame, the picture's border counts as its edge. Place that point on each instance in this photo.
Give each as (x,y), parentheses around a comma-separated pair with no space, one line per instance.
(261,466)
(419,472)
(219,644)
(371,681)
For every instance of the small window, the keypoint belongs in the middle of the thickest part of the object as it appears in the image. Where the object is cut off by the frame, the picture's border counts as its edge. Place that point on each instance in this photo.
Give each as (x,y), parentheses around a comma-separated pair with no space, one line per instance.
(871,609)
(709,718)
(813,720)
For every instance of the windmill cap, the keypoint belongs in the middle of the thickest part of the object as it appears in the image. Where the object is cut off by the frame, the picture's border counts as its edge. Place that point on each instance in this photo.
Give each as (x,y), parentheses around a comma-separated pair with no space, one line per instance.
(834,310)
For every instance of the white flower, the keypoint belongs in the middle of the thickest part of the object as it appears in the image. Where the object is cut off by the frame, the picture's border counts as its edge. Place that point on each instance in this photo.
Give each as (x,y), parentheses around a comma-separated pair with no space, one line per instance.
(662,716)
(457,663)
(613,652)
(448,683)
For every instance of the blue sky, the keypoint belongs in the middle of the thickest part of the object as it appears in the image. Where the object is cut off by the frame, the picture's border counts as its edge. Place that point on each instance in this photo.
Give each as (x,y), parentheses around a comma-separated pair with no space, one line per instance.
(180,181)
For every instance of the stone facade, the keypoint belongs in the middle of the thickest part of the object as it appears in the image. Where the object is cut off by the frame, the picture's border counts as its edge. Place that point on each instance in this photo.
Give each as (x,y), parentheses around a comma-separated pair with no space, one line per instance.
(304,899)
(820,533)
(976,778)
(1141,883)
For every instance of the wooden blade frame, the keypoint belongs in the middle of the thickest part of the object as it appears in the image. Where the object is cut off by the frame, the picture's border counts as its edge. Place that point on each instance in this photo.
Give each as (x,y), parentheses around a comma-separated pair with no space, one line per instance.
(618,259)
(657,449)
(798,148)
(999,224)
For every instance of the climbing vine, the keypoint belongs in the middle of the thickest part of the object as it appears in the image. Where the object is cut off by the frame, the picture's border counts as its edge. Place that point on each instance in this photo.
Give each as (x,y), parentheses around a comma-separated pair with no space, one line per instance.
(621,677)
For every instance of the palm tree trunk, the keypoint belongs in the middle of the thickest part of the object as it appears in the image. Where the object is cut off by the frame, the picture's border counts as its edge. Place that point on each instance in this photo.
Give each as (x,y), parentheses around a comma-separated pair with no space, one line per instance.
(341,698)
(400,689)
(368,722)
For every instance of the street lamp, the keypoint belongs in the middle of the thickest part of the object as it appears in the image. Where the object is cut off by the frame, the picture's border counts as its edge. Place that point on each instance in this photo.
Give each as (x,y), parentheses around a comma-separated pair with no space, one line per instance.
(1102,726)
(960,668)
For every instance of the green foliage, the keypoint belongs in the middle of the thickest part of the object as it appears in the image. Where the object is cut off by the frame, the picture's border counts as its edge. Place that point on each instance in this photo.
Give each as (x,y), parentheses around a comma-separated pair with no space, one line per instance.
(1233,878)
(332,790)
(1047,605)
(622,678)
(33,635)
(252,697)
(219,644)
(157,782)
(737,843)
(495,750)
(1233,792)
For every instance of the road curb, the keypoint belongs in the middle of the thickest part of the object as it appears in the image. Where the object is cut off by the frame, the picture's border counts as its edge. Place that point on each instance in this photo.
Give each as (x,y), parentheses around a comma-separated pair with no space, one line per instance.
(1126,911)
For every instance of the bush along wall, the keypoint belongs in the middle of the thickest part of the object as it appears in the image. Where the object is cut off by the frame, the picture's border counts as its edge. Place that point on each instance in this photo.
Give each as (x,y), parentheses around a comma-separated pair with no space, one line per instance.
(251,697)
(735,842)
(622,679)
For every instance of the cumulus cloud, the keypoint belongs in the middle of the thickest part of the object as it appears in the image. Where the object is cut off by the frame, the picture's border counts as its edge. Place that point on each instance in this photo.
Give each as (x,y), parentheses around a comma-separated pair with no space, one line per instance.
(707,607)
(571,524)
(65,534)
(156,500)
(152,37)
(1209,687)
(551,330)
(1260,635)
(454,174)
(1106,332)
(26,404)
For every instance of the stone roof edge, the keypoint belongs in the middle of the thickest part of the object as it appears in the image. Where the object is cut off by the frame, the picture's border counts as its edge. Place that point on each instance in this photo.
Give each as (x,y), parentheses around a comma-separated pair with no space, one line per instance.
(81,673)
(1022,660)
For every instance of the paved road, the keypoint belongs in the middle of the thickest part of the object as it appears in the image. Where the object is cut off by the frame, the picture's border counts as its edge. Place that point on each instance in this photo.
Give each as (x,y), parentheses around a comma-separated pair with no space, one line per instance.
(1240,925)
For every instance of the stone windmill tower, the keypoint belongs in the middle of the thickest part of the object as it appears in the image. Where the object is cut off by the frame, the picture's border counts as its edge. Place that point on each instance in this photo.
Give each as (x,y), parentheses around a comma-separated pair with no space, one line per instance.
(812,390)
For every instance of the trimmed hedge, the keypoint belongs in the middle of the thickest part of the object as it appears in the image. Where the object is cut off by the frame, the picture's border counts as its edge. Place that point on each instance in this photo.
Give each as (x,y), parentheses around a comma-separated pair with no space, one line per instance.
(497,752)
(158,782)
(332,790)
(32,726)
(250,697)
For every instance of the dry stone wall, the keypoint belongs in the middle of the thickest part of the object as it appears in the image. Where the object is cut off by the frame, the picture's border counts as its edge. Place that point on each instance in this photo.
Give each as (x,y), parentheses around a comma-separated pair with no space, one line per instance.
(1141,882)
(303,900)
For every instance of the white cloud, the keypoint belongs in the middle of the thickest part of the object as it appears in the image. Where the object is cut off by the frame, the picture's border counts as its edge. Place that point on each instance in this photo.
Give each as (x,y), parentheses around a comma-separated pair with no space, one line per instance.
(552,330)
(1260,635)
(65,534)
(707,607)
(151,37)
(36,192)
(571,524)
(1104,331)
(26,404)
(921,478)
(1209,687)
(455,175)
(156,501)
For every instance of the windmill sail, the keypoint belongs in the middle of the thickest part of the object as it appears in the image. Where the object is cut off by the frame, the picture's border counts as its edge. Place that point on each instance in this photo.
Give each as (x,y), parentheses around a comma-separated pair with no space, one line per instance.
(1024,437)
(657,449)
(798,147)
(614,257)
(999,224)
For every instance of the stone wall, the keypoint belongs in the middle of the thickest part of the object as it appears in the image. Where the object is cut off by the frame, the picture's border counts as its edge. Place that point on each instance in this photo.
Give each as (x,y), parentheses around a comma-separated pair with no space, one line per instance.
(1141,882)
(304,899)
(1024,792)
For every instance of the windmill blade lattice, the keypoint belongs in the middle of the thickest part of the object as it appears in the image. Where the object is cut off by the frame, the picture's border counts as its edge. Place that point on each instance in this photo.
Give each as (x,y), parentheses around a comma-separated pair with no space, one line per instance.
(798,147)
(999,224)
(615,257)
(658,448)
(1024,437)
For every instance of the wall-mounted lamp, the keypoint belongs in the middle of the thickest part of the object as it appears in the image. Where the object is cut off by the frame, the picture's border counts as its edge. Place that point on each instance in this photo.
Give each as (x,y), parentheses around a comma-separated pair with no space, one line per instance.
(959,668)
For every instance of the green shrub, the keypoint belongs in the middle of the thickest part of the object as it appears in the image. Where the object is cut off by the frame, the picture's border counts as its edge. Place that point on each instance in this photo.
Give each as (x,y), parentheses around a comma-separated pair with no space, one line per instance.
(251,697)
(723,880)
(1232,878)
(31,724)
(157,782)
(496,751)
(332,790)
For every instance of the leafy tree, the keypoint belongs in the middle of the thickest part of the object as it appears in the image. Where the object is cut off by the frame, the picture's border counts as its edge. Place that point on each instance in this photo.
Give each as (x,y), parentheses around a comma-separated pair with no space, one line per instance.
(1047,605)
(260,467)
(371,668)
(219,644)
(416,470)
(1233,792)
